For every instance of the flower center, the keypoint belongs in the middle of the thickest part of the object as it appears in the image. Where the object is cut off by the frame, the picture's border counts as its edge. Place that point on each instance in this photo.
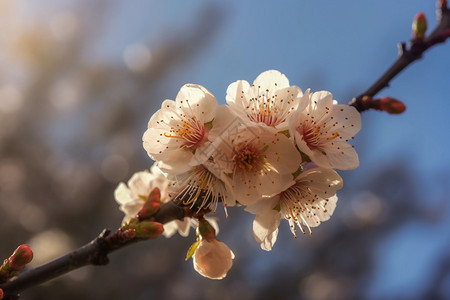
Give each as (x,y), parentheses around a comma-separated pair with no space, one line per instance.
(270,110)
(297,204)
(248,159)
(311,135)
(191,131)
(201,190)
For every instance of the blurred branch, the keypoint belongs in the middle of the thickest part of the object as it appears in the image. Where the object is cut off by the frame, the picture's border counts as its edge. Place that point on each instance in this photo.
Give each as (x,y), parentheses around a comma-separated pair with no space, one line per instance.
(418,46)
(94,253)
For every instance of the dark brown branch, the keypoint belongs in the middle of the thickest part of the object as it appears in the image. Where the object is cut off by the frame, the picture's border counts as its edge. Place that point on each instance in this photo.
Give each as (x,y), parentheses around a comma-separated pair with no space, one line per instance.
(93,253)
(406,57)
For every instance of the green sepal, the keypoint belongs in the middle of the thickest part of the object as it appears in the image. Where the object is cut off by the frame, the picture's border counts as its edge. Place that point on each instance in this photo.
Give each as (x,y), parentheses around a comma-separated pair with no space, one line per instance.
(277,207)
(192,249)
(209,125)
(285,132)
(205,229)
(298,172)
(305,157)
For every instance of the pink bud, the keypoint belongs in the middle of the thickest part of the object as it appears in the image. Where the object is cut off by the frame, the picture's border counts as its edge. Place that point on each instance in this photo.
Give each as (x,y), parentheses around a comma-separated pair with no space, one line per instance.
(391,105)
(419,26)
(22,256)
(1,294)
(151,206)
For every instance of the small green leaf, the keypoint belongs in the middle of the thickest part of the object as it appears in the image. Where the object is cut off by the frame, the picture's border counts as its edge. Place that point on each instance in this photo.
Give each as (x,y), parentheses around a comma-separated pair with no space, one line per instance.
(192,249)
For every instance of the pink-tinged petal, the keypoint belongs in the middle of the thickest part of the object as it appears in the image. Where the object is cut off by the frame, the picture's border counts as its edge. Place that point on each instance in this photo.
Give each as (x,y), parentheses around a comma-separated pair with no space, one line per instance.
(170,229)
(325,215)
(224,122)
(245,190)
(122,194)
(176,162)
(213,259)
(282,155)
(265,229)
(183,226)
(321,181)
(320,103)
(302,104)
(273,183)
(346,121)
(140,183)
(320,211)
(236,94)
(271,79)
(131,209)
(195,100)
(344,158)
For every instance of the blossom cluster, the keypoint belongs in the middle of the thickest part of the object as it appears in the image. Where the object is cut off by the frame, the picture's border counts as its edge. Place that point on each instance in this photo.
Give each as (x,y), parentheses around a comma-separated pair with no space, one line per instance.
(273,149)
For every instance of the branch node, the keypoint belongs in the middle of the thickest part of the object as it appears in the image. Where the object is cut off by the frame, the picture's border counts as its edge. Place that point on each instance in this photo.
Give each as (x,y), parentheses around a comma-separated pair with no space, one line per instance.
(401,48)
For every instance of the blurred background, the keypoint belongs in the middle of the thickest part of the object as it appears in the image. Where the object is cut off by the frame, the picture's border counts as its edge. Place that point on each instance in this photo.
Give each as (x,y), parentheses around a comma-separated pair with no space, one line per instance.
(80,79)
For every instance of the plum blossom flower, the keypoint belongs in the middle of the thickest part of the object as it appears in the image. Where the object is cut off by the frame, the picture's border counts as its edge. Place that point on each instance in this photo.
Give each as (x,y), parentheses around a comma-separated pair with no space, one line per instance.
(322,131)
(132,197)
(269,100)
(255,161)
(201,188)
(180,127)
(306,201)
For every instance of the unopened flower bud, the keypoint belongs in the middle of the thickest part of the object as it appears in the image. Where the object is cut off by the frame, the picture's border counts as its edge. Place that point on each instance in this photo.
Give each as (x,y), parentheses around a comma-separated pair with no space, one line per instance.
(22,256)
(391,105)
(151,205)
(419,26)
(148,229)
(212,258)
(1,294)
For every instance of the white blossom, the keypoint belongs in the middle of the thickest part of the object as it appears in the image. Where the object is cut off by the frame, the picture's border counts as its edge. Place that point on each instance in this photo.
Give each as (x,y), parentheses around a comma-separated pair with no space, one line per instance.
(200,188)
(180,128)
(307,201)
(132,197)
(322,131)
(269,100)
(255,161)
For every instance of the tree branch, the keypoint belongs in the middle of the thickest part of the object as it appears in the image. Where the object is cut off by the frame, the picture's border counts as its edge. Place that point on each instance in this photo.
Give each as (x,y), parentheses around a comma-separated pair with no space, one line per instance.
(406,57)
(93,253)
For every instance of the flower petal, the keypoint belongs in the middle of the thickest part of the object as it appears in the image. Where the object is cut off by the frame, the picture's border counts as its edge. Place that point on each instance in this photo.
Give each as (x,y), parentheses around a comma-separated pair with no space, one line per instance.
(271,79)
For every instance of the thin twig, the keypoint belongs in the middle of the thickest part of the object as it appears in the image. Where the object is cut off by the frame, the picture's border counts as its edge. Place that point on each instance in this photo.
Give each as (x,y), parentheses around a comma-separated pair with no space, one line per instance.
(406,57)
